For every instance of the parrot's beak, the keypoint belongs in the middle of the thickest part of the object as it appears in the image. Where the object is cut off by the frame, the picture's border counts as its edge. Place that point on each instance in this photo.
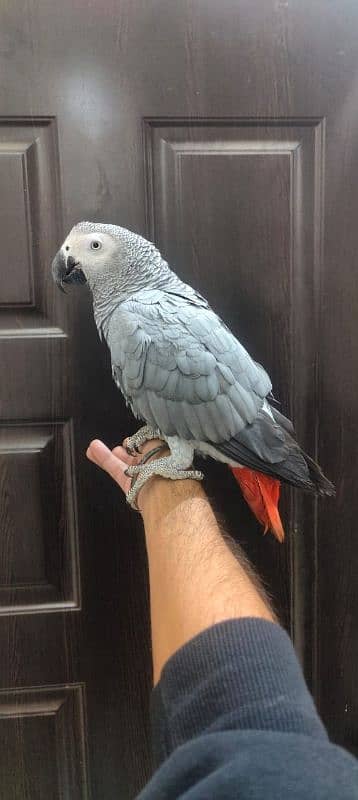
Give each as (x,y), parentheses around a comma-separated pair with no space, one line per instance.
(66,270)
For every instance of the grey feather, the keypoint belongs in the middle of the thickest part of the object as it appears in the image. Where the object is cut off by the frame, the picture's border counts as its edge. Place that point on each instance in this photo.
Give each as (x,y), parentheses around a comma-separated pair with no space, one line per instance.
(155,377)
(142,409)
(170,390)
(225,372)
(187,389)
(207,387)
(192,420)
(240,398)
(207,428)
(177,419)
(218,423)
(164,357)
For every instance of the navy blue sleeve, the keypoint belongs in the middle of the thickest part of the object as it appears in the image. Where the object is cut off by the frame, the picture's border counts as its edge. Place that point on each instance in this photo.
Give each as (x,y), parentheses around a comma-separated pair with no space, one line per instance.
(233,718)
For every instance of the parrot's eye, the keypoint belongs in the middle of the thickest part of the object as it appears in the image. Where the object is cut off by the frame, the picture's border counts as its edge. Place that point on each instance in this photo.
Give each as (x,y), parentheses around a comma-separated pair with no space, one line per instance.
(96,245)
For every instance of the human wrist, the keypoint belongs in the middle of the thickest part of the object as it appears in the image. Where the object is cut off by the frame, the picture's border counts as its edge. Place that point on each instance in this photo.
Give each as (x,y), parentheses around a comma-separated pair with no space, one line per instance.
(159,496)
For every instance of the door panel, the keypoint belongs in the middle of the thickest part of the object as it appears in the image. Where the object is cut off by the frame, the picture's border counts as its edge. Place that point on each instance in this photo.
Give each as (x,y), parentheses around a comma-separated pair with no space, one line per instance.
(39,569)
(236,205)
(227,133)
(43,746)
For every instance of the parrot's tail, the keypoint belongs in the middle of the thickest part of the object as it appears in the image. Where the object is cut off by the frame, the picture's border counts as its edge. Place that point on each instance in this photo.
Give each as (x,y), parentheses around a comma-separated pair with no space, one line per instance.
(261,492)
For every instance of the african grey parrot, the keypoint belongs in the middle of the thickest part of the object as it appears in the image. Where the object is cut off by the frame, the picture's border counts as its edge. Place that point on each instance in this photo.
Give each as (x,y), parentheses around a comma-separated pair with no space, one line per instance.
(183,372)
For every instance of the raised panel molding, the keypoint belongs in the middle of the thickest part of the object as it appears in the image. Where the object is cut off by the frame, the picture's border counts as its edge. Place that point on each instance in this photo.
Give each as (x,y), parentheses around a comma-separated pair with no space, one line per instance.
(43,738)
(30,224)
(270,223)
(16,275)
(168,141)
(39,566)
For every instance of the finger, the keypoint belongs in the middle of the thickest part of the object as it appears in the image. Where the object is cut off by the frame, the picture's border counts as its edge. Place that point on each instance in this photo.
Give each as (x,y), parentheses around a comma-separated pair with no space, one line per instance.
(121,453)
(101,455)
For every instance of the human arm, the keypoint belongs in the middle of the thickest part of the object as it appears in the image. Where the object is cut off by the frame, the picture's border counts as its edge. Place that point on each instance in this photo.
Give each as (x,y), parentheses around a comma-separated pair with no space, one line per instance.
(195,578)
(232,716)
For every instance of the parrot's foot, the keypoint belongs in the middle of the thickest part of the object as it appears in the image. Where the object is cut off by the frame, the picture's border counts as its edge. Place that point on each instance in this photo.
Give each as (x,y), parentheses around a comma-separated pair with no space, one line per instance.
(163,467)
(145,434)
(175,467)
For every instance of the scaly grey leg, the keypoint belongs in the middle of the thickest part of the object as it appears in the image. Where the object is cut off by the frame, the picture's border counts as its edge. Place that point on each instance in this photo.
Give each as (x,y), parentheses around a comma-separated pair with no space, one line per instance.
(176,467)
(144,434)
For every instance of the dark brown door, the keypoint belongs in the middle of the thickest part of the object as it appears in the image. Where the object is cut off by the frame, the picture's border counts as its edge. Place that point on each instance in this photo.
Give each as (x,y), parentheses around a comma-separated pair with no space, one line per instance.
(227,131)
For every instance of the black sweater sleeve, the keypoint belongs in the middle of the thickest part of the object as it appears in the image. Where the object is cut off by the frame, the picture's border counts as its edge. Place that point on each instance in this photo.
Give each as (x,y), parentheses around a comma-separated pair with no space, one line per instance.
(232,718)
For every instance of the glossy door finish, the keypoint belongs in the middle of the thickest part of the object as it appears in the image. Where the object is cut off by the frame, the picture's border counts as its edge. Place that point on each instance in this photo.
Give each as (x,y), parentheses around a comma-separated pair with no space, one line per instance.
(227,132)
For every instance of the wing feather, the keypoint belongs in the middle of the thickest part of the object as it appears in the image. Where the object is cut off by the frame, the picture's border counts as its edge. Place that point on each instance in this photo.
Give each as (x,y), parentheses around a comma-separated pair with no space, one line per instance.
(182,370)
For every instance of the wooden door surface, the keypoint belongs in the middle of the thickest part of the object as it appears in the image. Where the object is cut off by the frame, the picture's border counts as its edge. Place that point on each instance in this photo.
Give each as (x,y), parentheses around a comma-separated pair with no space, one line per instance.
(227,132)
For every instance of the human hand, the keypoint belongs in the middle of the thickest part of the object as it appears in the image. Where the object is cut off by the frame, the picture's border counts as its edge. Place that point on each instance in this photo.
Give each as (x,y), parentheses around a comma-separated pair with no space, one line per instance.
(116,461)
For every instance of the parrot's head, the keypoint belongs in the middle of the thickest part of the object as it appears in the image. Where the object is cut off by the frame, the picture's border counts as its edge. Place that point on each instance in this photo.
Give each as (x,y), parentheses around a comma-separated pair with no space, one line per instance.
(90,252)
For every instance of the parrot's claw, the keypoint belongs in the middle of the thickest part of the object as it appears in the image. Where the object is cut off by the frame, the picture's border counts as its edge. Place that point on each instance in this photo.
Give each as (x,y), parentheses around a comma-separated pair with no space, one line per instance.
(145,434)
(133,470)
(166,467)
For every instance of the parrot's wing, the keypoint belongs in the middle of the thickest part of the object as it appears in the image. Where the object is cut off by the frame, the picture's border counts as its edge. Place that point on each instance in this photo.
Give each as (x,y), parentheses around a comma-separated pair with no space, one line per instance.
(182,370)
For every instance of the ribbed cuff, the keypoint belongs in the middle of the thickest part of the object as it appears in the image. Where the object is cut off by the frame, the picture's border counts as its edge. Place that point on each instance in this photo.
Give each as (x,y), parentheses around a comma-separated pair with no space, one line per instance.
(237,675)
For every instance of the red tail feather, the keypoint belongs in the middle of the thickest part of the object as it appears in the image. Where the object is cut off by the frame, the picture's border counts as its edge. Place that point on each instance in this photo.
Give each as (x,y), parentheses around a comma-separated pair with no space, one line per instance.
(261,492)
